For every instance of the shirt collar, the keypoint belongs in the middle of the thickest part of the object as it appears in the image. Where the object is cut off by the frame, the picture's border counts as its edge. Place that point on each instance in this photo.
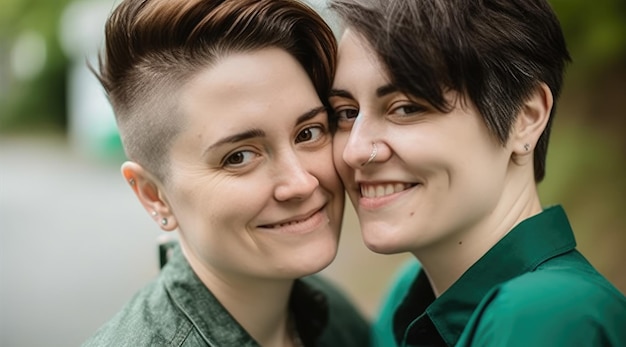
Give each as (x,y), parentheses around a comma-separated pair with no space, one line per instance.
(210,318)
(526,246)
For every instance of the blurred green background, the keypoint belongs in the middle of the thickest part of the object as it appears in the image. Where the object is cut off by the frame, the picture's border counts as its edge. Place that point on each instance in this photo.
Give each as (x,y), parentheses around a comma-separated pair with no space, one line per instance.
(33,97)
(42,57)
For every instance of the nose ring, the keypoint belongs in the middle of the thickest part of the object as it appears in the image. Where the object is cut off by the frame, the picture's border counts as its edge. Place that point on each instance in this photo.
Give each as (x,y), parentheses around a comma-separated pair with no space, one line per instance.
(372,155)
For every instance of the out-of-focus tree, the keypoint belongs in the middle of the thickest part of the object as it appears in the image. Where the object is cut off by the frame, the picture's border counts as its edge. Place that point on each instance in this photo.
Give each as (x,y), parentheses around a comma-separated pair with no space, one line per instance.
(32,66)
(588,151)
(595,32)
(596,81)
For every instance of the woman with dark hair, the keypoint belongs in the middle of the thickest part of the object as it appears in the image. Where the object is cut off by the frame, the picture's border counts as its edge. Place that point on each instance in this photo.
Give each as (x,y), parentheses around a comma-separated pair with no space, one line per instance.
(222,111)
(443,112)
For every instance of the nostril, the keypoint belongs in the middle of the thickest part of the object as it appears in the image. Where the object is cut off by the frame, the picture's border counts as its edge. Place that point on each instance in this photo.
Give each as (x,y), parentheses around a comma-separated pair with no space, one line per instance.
(372,155)
(359,155)
(296,185)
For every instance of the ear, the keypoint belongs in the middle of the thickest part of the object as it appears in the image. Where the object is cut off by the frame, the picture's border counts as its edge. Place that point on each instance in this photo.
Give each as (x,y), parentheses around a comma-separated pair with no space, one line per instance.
(150,193)
(530,123)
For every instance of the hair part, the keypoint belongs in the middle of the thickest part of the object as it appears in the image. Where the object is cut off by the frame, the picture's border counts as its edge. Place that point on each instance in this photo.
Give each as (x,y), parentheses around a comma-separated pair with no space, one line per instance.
(153,47)
(494,52)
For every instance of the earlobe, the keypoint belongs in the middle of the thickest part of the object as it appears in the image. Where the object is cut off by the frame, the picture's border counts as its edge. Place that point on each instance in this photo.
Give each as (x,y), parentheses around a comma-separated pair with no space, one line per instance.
(150,194)
(531,121)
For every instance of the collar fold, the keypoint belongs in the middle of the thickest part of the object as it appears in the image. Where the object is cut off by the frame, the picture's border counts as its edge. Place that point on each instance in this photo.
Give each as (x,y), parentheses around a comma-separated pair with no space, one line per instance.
(528,245)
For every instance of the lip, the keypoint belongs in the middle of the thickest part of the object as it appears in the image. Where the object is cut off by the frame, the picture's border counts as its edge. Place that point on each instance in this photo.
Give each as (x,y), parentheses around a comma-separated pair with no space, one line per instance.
(374,195)
(299,224)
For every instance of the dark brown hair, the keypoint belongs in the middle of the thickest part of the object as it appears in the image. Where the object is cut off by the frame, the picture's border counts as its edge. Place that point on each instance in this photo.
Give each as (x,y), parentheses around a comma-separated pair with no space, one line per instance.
(494,52)
(153,47)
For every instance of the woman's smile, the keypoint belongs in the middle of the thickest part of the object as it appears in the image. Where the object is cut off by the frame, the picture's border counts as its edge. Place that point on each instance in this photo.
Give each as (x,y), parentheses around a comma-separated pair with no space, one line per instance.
(300,224)
(379,190)
(378,195)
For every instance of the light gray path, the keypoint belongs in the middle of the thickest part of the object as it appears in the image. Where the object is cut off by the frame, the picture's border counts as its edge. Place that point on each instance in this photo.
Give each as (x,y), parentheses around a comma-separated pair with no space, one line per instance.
(74,244)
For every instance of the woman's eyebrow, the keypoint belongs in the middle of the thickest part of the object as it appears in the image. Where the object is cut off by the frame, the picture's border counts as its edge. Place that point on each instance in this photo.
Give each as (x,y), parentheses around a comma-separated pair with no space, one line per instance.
(380,91)
(341,93)
(310,114)
(248,134)
(386,90)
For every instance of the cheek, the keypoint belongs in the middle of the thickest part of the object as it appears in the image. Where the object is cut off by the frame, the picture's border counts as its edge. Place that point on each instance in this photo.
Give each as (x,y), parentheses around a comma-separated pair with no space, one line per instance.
(339,144)
(324,169)
(217,202)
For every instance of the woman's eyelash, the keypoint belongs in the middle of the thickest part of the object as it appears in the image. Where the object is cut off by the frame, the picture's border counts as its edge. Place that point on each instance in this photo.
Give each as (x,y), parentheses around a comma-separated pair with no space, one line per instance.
(238,158)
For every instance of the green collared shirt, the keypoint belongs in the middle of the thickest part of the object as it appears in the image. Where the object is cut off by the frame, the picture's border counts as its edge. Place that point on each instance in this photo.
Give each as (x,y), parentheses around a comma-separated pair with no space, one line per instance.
(533,288)
(178,310)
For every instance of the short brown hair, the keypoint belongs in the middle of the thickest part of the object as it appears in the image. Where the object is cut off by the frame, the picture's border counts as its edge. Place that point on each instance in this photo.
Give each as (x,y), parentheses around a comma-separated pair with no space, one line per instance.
(153,47)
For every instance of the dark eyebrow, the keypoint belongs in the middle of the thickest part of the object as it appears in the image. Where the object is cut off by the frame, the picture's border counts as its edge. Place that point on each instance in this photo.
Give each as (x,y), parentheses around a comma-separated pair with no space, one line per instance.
(386,90)
(310,114)
(248,134)
(341,93)
(380,92)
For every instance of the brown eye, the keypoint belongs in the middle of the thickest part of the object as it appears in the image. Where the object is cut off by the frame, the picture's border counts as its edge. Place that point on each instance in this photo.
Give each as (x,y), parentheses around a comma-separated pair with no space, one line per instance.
(344,117)
(308,134)
(239,158)
(236,158)
(347,114)
(409,109)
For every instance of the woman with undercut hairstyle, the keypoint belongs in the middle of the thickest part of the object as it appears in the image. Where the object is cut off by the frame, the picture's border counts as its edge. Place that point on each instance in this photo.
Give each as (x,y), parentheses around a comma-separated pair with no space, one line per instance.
(222,111)
(443,112)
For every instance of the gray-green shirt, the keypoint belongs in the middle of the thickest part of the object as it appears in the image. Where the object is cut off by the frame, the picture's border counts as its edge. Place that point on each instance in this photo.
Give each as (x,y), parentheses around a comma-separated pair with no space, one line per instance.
(177,309)
(533,288)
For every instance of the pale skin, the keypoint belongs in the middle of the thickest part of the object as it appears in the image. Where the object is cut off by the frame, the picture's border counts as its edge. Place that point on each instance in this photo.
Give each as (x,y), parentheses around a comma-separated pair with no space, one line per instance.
(252,191)
(441,186)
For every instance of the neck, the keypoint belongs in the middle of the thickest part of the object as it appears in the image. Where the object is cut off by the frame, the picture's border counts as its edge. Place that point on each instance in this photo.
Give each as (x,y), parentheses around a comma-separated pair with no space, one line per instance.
(446,261)
(260,306)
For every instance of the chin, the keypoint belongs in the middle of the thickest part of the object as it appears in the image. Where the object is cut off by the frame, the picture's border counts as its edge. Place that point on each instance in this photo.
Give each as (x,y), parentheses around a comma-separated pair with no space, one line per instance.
(382,242)
(382,248)
(316,260)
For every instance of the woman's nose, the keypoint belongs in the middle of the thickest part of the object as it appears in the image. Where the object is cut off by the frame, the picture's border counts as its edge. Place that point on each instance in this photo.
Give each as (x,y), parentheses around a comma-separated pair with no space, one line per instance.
(361,148)
(295,181)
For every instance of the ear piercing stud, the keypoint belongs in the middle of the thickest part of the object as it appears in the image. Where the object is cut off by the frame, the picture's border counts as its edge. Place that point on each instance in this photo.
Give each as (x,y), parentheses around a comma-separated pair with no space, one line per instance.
(163,220)
(526,147)
(131,181)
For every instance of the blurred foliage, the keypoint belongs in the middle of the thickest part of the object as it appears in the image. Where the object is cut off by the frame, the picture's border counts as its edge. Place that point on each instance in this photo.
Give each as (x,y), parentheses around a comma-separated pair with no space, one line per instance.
(587,153)
(595,82)
(38,103)
(595,33)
